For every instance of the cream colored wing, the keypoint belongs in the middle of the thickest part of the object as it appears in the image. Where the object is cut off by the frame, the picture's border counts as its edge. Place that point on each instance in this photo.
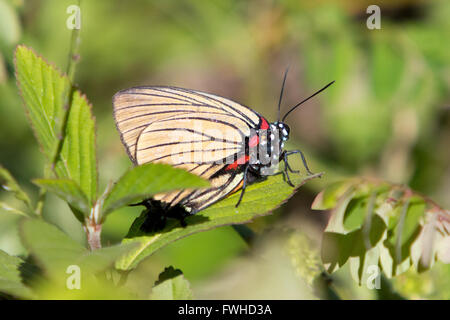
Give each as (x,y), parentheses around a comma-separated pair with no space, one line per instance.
(136,108)
(188,129)
(222,184)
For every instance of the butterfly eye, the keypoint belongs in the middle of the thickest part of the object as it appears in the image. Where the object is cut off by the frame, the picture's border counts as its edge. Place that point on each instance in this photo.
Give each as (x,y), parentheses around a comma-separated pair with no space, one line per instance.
(287,130)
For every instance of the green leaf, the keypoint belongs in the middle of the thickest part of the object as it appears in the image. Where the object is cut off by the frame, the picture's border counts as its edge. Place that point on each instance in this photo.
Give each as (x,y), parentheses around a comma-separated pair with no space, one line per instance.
(10,279)
(338,248)
(259,200)
(365,265)
(328,198)
(60,259)
(147,180)
(67,190)
(355,213)
(9,209)
(171,285)
(44,90)
(78,154)
(55,251)
(101,259)
(404,228)
(10,184)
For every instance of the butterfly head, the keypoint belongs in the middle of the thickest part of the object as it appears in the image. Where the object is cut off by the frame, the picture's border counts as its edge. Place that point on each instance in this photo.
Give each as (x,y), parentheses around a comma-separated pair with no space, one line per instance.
(283,130)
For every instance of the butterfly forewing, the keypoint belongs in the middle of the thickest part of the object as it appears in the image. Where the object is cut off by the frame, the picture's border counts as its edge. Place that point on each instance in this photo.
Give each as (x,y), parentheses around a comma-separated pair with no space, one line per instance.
(204,140)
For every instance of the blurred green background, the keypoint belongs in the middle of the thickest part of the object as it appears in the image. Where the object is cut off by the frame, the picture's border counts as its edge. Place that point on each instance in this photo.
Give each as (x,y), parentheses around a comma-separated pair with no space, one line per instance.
(387,115)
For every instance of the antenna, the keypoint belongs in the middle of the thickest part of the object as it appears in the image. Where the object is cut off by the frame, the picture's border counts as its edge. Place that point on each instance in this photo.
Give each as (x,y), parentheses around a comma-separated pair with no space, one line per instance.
(298,104)
(281,93)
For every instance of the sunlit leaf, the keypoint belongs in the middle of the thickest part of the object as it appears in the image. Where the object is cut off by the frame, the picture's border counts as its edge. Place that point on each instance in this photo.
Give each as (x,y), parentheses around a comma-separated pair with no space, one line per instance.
(146,180)
(78,154)
(67,190)
(260,199)
(328,197)
(374,224)
(44,90)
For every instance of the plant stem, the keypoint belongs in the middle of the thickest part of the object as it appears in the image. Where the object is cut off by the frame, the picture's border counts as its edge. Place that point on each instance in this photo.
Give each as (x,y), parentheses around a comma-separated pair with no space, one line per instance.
(93,227)
(42,194)
(40,202)
(74,57)
(93,233)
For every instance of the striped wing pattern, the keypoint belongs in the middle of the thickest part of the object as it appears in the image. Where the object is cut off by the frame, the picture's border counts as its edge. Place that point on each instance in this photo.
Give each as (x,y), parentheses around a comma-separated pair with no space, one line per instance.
(187,129)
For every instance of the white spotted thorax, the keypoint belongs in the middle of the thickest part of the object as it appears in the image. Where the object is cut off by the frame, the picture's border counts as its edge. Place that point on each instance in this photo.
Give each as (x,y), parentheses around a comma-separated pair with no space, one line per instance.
(279,135)
(270,148)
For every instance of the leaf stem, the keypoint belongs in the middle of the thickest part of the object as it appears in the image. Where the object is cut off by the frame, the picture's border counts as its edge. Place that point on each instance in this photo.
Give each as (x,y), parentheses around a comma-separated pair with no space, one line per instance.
(42,195)
(74,55)
(40,202)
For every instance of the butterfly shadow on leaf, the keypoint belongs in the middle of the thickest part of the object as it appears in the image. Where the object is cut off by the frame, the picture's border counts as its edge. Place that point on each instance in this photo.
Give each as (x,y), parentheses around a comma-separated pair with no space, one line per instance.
(149,223)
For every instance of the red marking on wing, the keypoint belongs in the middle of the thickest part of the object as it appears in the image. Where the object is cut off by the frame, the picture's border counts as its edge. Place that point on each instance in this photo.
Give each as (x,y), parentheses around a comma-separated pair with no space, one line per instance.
(241,160)
(253,141)
(264,124)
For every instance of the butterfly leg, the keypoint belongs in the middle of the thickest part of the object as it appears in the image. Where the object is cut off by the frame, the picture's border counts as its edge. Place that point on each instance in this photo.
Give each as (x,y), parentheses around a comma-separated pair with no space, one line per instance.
(288,153)
(146,203)
(286,175)
(244,185)
(286,162)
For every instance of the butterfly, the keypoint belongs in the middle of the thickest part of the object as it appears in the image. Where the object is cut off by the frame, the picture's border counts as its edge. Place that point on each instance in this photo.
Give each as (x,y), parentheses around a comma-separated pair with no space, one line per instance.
(208,135)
